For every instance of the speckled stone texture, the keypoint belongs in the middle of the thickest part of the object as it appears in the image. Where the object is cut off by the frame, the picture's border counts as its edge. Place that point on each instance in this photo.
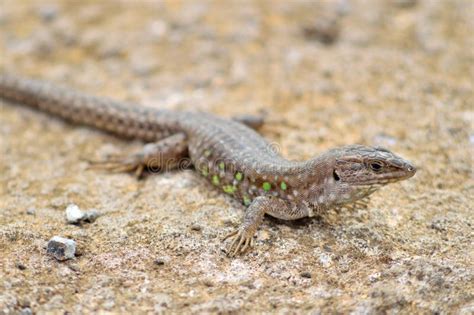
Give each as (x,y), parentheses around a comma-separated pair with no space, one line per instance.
(392,73)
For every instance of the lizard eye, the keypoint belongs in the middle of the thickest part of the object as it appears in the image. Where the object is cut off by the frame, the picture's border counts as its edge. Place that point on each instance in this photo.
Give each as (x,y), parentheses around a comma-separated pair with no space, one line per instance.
(375,166)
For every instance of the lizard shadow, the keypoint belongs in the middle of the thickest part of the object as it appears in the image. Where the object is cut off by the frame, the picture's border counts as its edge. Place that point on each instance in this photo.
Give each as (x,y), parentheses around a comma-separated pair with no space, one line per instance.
(327,221)
(319,220)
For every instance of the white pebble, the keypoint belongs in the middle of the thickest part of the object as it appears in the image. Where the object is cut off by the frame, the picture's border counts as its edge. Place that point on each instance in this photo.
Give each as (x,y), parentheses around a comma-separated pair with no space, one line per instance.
(74,214)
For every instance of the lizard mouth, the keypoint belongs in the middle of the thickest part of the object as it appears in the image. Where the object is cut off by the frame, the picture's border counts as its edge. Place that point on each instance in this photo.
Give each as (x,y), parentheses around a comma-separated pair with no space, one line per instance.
(387,178)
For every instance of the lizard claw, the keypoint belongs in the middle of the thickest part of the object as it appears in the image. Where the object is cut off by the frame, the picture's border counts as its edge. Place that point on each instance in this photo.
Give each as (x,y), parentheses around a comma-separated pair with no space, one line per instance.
(120,163)
(242,241)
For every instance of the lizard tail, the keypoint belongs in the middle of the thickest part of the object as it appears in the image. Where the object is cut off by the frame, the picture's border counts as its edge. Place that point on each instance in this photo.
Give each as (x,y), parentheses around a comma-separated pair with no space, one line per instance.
(122,119)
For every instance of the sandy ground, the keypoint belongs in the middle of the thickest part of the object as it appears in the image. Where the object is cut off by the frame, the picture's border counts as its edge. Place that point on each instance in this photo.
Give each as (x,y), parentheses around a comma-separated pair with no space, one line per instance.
(396,73)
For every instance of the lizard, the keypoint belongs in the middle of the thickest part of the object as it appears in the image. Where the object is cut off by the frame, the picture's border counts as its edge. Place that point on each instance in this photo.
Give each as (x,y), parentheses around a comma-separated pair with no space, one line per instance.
(230,154)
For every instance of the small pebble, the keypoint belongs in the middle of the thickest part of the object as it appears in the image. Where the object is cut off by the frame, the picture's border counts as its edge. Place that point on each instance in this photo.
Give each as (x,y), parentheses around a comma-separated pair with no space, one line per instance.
(196,227)
(163,260)
(26,311)
(61,248)
(74,215)
(325,30)
(31,211)
(91,215)
(208,283)
(306,274)
(20,266)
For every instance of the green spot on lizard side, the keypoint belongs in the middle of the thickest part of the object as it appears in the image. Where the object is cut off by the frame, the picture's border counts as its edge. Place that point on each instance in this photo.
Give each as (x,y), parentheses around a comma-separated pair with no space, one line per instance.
(283,186)
(247,200)
(267,186)
(204,171)
(215,180)
(229,189)
(221,165)
(238,176)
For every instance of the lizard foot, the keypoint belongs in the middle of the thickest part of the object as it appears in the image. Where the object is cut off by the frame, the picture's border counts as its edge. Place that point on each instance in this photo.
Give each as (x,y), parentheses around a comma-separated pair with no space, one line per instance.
(121,163)
(242,241)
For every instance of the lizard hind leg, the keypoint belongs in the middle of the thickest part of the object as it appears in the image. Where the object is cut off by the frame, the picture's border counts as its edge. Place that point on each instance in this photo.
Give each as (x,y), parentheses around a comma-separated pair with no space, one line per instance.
(165,155)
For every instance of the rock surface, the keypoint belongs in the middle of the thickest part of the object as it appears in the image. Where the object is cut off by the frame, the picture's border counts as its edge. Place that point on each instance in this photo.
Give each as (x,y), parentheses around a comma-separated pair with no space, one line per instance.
(397,75)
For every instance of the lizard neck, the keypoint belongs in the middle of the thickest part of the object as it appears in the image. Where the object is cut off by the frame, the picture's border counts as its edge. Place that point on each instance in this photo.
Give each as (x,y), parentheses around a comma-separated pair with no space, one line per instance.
(310,182)
(315,170)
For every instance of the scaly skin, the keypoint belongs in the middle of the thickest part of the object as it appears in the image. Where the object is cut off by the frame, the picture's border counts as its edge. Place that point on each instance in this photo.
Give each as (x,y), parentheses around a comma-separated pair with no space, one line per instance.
(232,156)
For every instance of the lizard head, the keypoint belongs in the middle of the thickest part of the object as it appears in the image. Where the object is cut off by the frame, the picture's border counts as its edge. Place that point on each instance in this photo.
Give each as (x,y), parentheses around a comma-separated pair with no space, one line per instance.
(359,170)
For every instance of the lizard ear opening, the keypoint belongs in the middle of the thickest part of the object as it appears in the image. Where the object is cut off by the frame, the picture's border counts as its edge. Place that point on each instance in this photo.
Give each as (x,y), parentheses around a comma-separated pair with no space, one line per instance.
(335,175)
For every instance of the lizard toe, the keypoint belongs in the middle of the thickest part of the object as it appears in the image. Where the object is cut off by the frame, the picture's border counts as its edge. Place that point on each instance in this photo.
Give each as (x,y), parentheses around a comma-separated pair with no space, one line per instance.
(241,242)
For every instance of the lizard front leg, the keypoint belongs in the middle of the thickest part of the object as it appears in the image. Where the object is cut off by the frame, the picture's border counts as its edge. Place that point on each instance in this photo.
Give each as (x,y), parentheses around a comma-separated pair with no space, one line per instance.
(163,155)
(242,238)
